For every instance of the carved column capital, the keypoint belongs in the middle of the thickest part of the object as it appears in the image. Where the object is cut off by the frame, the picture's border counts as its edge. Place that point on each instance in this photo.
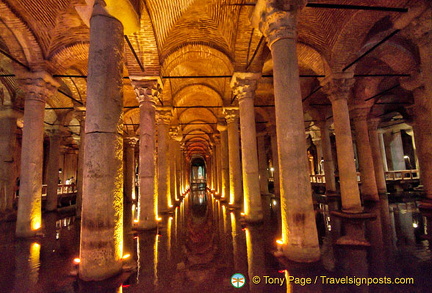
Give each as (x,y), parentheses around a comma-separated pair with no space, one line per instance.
(231,114)
(338,86)
(147,89)
(38,85)
(175,133)
(244,84)
(164,115)
(130,141)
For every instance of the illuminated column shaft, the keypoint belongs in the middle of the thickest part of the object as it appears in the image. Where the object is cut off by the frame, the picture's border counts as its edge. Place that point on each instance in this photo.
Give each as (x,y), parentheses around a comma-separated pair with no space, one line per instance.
(275,158)
(262,164)
(80,172)
(231,116)
(129,169)
(300,237)
(8,125)
(329,167)
(38,87)
(101,245)
(225,191)
(376,155)
(218,164)
(163,120)
(244,85)
(338,88)
(369,190)
(52,170)
(147,91)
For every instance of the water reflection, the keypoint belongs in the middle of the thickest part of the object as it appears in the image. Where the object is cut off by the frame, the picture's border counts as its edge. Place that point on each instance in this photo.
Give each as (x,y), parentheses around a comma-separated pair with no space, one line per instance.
(203,242)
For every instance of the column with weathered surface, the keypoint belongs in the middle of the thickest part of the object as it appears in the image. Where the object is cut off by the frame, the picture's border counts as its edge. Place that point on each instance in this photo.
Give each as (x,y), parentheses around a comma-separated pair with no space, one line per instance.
(53,169)
(329,166)
(299,233)
(147,91)
(369,190)
(129,169)
(225,191)
(376,155)
(38,87)
(163,119)
(231,116)
(101,246)
(338,88)
(8,161)
(244,85)
(262,163)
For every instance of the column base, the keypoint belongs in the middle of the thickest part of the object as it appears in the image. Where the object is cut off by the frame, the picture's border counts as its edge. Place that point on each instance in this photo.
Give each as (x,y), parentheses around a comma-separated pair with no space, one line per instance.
(354,228)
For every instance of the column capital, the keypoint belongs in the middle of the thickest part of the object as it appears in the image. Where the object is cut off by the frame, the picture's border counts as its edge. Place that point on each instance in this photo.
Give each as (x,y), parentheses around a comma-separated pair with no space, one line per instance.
(419,29)
(231,114)
(175,133)
(164,115)
(415,81)
(360,113)
(373,123)
(276,20)
(130,141)
(38,85)
(338,85)
(244,84)
(8,112)
(80,113)
(147,88)
(221,125)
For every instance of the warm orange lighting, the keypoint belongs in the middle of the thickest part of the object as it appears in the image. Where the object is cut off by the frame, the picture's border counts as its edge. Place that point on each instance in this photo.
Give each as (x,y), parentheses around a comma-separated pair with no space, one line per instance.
(242,214)
(279,241)
(76,260)
(136,221)
(126,256)
(158,219)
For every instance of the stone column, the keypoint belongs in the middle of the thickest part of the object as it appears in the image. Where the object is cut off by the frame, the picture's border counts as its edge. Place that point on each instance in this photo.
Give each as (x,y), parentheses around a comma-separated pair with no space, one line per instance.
(410,132)
(174,147)
(101,247)
(318,144)
(338,87)
(383,149)
(262,163)
(147,90)
(164,195)
(299,233)
(397,152)
(52,173)
(329,166)
(244,85)
(231,116)
(38,86)
(129,169)
(225,177)
(8,173)
(275,159)
(80,115)
(369,189)
(376,155)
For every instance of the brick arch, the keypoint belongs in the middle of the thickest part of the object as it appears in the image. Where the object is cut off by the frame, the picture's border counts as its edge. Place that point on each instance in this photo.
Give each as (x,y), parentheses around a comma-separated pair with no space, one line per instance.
(68,57)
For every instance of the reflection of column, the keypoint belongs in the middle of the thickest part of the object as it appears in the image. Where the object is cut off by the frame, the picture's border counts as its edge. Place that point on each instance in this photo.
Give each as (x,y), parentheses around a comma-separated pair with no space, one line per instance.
(262,163)
(369,189)
(299,236)
(338,88)
(52,169)
(275,159)
(27,259)
(224,160)
(147,91)
(8,161)
(231,116)
(244,85)
(255,256)
(397,152)
(163,120)
(38,87)
(101,246)
(329,167)
(129,169)
(376,155)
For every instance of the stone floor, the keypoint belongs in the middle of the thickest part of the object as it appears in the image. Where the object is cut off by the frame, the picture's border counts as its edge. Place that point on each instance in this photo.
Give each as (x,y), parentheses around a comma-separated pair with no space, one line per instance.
(202,244)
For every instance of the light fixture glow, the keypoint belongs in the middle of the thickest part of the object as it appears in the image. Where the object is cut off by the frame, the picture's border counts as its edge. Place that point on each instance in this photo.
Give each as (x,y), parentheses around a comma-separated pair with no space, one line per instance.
(76,260)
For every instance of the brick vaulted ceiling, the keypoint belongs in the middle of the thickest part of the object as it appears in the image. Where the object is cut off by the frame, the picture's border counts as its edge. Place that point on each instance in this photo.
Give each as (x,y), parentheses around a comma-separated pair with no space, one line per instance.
(196,45)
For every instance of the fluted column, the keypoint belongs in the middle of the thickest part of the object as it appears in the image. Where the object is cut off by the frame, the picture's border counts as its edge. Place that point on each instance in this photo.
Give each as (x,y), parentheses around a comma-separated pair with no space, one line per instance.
(300,237)
(8,161)
(376,155)
(147,91)
(38,87)
(338,87)
(262,163)
(275,159)
(244,85)
(369,189)
(163,119)
(53,169)
(101,247)
(225,177)
(129,169)
(231,116)
(329,166)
